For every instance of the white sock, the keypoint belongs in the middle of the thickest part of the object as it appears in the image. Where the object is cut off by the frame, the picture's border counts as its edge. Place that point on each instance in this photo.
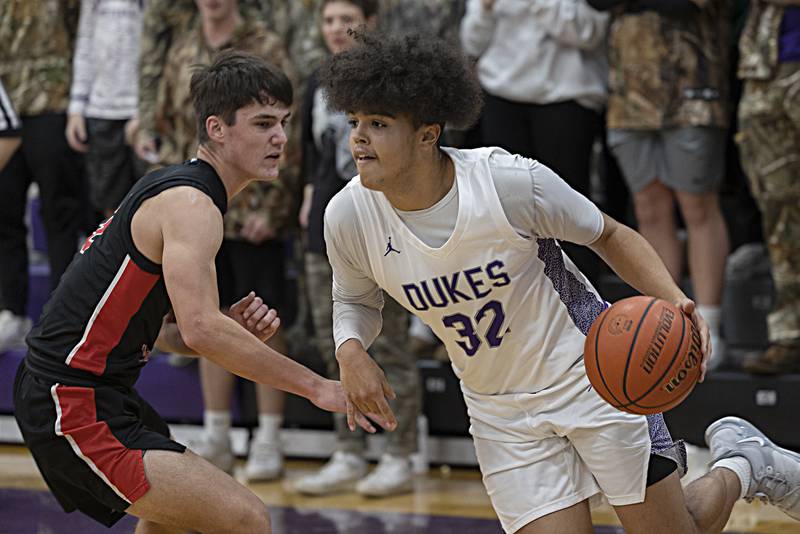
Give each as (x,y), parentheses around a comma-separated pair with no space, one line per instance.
(268,427)
(217,424)
(741,468)
(713,316)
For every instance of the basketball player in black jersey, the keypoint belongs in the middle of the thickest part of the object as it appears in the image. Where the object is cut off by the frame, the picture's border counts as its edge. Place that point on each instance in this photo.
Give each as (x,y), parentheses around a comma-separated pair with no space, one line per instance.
(99,446)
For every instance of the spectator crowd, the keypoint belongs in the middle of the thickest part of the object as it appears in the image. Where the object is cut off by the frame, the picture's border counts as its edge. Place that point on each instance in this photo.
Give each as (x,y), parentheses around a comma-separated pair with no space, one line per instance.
(680,117)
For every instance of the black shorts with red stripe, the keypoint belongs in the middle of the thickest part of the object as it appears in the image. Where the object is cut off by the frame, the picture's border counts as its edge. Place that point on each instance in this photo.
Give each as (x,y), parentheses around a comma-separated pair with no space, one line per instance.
(89,442)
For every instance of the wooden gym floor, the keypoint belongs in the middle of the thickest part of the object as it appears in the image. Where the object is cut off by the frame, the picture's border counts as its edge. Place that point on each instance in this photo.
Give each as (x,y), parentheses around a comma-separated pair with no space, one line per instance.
(444,501)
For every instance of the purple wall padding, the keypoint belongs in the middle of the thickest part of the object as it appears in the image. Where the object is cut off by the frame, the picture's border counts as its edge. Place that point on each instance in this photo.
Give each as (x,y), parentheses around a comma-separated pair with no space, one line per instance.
(173,391)
(9,361)
(37,226)
(38,289)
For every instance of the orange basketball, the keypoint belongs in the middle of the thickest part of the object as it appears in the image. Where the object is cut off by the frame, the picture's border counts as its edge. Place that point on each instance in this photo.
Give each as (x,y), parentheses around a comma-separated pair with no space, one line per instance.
(643,355)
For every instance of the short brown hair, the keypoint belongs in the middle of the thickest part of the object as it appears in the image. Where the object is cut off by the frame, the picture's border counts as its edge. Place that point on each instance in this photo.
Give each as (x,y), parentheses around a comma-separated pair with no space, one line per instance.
(234,80)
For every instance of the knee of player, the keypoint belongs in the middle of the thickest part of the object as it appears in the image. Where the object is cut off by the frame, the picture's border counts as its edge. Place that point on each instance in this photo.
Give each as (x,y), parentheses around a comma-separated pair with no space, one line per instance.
(251,516)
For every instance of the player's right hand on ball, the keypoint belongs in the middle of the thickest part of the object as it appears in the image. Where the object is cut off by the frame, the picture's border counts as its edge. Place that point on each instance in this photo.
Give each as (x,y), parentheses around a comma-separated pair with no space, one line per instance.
(688,307)
(366,388)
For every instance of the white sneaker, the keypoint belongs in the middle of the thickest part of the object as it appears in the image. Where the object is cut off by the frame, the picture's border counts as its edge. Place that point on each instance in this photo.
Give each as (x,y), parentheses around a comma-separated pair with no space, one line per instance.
(391,476)
(775,471)
(339,474)
(13,329)
(215,450)
(265,461)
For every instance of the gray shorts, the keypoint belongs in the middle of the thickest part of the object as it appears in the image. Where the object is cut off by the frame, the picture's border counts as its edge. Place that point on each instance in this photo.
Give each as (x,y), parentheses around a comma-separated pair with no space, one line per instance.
(690,159)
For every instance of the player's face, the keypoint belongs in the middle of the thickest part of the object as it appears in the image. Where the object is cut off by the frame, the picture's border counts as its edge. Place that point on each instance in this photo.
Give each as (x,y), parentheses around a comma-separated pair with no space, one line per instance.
(255,141)
(337,18)
(382,147)
(216,10)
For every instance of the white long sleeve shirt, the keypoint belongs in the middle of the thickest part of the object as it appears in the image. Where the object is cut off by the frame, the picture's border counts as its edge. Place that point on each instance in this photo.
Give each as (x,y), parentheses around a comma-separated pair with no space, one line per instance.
(105,78)
(539,51)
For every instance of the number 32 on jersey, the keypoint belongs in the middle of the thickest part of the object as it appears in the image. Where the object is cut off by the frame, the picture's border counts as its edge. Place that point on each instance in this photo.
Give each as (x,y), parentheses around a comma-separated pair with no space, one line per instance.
(489,319)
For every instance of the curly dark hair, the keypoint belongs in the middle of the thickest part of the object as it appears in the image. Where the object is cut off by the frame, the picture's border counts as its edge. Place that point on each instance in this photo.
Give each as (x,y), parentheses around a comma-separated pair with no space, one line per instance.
(417,76)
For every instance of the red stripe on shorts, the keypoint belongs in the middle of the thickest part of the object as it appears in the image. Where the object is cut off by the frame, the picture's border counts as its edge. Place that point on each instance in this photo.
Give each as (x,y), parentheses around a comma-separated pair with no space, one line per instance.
(111,316)
(121,468)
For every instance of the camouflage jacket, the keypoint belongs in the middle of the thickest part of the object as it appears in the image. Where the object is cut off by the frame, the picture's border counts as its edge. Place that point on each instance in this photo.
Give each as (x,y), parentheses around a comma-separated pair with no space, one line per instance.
(177,127)
(164,21)
(437,17)
(758,45)
(37,39)
(298,23)
(668,72)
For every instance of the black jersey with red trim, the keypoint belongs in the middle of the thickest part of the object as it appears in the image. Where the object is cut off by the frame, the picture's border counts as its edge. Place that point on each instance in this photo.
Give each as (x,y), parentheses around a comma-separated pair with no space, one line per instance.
(104,317)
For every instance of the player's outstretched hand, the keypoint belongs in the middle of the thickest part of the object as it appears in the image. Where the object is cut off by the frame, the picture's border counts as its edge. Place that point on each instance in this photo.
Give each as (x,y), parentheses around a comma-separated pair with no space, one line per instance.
(688,307)
(367,390)
(255,316)
(330,396)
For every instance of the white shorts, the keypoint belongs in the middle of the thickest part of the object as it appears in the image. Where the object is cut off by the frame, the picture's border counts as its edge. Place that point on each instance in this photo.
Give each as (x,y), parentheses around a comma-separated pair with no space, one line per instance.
(546,451)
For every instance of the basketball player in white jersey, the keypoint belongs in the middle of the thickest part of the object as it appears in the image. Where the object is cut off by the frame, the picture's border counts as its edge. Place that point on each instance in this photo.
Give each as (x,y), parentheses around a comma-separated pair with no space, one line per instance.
(468,240)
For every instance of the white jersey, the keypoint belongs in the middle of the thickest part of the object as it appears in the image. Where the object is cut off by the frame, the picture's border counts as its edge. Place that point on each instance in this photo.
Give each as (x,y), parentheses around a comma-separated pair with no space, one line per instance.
(511,309)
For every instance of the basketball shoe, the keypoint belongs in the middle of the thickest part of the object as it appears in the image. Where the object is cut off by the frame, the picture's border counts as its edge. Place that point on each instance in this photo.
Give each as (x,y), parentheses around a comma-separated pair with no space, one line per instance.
(264,462)
(775,471)
(392,476)
(339,474)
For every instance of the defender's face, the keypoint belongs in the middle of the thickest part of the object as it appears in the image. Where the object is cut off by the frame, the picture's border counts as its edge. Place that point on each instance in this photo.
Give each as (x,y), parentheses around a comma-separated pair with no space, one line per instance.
(337,18)
(382,147)
(255,141)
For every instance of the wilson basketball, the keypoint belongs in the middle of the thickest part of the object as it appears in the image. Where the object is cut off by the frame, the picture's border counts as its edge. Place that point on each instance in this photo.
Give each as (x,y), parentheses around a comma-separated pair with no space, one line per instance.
(643,355)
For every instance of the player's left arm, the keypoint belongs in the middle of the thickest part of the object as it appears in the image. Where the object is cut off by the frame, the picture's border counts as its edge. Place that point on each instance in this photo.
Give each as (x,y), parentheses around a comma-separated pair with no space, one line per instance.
(635,260)
(562,213)
(637,263)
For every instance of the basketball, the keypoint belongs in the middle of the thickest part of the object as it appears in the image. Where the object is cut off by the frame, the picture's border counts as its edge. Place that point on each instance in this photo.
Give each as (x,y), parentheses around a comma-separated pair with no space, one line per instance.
(643,355)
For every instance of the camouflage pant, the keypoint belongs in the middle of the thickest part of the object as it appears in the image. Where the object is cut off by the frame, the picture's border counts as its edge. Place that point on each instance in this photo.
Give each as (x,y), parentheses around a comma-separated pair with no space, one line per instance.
(390,351)
(769,139)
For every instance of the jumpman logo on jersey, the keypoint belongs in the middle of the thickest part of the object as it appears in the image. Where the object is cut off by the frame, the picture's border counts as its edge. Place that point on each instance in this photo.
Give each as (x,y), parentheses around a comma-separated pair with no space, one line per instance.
(390,248)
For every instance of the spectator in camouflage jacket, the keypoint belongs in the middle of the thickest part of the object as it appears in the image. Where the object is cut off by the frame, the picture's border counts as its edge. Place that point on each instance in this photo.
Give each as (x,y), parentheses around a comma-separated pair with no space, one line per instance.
(769,141)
